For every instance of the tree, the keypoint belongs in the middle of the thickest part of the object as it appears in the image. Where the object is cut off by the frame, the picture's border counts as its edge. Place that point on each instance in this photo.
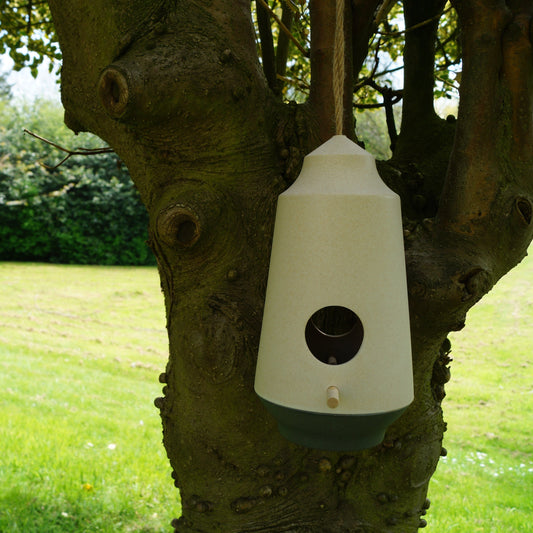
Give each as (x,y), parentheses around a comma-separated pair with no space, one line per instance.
(27,34)
(5,87)
(47,198)
(178,90)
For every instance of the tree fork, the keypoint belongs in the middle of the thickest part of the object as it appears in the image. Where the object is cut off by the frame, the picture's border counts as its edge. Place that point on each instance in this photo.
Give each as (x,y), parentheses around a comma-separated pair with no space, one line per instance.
(487,193)
(209,164)
(425,141)
(418,111)
(211,214)
(494,140)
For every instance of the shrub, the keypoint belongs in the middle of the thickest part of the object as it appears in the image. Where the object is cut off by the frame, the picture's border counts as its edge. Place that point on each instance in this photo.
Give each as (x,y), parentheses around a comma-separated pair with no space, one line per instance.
(87,211)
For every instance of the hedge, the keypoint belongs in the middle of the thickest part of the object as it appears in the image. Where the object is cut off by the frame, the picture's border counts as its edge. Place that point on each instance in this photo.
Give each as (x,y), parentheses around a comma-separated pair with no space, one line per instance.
(87,211)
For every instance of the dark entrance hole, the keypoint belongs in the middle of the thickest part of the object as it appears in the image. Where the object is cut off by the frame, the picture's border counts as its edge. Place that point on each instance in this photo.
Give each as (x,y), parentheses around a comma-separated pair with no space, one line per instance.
(187,232)
(334,334)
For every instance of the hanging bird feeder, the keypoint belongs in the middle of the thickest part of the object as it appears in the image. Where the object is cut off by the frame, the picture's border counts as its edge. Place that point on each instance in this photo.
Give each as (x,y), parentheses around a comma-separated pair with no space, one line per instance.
(334,365)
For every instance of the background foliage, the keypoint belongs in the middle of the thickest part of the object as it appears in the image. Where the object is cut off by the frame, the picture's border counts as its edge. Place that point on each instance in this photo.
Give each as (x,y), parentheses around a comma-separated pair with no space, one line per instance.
(86,211)
(27,33)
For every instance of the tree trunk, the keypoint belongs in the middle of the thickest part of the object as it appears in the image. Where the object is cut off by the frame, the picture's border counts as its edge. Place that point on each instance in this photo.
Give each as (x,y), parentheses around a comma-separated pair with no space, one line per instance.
(177,90)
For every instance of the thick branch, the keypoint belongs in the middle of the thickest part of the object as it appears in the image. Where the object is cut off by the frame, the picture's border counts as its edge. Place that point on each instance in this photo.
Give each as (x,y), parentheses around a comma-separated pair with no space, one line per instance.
(493,147)
(419,60)
(518,79)
(267,44)
(283,28)
(424,140)
(363,26)
(282,49)
(487,203)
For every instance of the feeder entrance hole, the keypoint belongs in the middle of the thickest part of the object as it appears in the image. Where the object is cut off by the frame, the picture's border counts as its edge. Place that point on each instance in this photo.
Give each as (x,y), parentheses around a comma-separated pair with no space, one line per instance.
(334,334)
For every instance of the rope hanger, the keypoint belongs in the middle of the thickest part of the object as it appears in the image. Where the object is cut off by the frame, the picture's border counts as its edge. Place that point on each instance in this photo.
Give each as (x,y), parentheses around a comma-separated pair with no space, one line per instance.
(338,66)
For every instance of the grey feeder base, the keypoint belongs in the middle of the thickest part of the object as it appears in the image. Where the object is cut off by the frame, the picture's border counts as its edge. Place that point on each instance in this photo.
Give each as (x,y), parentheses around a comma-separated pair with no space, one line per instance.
(334,432)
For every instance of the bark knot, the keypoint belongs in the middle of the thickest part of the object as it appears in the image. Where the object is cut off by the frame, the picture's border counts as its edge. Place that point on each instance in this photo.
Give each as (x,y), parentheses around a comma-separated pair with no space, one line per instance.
(524,209)
(476,283)
(178,225)
(113,91)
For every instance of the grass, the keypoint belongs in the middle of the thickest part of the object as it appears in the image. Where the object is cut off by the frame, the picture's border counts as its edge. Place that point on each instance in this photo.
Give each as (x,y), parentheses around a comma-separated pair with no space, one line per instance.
(80,351)
(485,484)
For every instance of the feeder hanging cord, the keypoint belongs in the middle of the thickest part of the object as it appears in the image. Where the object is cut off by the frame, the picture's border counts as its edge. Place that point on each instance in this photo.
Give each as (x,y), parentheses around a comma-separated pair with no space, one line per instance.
(338,66)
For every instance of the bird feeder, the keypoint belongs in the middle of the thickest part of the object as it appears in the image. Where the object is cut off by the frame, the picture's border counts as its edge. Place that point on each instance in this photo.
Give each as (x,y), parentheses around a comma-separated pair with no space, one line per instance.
(334,365)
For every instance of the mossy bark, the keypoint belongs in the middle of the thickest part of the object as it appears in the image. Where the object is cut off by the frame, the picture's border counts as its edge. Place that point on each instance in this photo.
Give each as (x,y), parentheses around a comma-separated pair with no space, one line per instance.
(177,90)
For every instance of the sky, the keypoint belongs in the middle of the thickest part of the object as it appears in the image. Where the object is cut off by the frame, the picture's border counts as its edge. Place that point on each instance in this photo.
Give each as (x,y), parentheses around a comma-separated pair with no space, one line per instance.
(24,86)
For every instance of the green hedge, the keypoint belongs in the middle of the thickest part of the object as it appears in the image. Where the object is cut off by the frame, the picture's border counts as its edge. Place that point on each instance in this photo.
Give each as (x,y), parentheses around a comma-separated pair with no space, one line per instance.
(87,211)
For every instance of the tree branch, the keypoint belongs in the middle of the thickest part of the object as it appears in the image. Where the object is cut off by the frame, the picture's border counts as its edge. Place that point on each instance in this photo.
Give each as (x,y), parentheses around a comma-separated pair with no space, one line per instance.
(424,138)
(282,49)
(30,8)
(517,75)
(284,28)
(384,10)
(52,194)
(70,153)
(419,57)
(494,141)
(415,26)
(375,75)
(267,43)
(364,23)
(390,98)
(295,81)
(28,26)
(471,184)
(389,102)
(394,101)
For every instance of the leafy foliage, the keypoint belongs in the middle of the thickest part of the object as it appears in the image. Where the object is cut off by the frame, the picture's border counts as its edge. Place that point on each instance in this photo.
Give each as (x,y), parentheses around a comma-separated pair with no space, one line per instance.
(448,57)
(379,81)
(27,33)
(288,23)
(66,215)
(86,211)
(5,86)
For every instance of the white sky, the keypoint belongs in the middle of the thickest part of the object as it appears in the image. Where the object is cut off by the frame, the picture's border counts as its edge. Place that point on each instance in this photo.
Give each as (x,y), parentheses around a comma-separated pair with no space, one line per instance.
(28,88)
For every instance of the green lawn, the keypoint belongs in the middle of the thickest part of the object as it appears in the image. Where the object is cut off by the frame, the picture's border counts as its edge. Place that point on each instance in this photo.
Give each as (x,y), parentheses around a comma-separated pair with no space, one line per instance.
(80,352)
(485,484)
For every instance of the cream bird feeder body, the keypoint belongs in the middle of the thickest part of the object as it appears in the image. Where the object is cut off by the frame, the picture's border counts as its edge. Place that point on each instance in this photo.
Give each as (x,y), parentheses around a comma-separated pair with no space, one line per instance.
(334,365)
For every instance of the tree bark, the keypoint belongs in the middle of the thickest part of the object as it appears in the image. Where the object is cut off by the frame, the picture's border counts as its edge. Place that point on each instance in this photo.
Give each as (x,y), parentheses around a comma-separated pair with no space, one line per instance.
(363,27)
(423,147)
(177,90)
